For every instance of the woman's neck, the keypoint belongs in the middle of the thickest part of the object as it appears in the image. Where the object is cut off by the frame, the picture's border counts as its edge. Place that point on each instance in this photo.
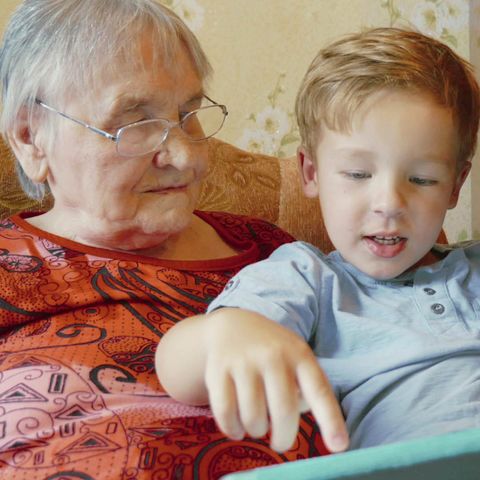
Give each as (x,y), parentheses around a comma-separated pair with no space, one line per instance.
(197,241)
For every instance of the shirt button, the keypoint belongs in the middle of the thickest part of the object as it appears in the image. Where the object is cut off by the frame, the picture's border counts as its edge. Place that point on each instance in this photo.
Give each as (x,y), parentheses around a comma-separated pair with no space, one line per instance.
(437,308)
(429,291)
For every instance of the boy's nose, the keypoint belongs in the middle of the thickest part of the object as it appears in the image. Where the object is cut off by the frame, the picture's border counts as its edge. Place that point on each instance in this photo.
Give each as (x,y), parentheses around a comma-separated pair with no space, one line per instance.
(389,200)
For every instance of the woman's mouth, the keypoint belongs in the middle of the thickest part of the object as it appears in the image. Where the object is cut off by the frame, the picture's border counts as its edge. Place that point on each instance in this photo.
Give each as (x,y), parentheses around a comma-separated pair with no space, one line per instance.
(166,190)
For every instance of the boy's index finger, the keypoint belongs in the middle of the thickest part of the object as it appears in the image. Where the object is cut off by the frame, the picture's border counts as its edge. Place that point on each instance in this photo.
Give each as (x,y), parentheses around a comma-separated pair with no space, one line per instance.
(318,394)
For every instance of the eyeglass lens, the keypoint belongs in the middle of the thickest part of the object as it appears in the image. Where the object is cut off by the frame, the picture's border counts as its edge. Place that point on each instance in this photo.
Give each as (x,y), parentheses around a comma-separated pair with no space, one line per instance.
(146,136)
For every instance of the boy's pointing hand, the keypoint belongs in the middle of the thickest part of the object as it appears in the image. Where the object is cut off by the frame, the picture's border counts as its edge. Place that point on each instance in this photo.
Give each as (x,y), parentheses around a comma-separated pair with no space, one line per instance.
(257,372)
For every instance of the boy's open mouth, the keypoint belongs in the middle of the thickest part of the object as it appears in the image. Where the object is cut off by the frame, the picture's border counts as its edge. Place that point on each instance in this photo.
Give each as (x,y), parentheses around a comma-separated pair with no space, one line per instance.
(386,240)
(385,246)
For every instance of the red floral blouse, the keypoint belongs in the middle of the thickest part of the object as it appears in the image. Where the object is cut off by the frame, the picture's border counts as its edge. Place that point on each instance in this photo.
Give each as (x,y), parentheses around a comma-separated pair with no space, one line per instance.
(79,398)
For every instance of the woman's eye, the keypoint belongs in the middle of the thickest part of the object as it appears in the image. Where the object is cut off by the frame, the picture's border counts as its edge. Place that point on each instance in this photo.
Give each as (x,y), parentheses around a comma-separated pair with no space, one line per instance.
(189,108)
(424,182)
(127,121)
(182,115)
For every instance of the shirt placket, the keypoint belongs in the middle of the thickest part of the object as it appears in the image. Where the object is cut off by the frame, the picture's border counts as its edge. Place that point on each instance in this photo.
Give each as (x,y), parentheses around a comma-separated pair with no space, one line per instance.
(433,300)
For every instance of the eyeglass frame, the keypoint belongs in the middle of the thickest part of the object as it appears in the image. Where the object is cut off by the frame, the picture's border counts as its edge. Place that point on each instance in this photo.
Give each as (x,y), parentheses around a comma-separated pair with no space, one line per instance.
(169,124)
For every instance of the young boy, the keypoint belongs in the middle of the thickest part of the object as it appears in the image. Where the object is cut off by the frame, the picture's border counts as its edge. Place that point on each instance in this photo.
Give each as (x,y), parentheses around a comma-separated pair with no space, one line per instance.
(388,120)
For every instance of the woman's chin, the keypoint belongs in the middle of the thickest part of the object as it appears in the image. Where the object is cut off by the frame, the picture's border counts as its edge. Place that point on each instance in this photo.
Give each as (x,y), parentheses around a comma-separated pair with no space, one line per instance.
(141,230)
(153,234)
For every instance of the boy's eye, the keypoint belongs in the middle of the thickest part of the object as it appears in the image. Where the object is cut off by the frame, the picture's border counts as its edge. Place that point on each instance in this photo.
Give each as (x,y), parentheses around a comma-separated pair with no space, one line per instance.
(423,182)
(357,175)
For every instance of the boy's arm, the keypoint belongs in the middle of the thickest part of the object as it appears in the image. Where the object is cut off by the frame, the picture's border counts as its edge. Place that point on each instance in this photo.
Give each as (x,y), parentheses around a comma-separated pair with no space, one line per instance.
(253,372)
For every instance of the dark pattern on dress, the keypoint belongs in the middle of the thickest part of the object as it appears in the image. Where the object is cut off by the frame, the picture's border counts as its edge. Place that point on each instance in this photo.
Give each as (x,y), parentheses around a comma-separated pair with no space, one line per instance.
(79,398)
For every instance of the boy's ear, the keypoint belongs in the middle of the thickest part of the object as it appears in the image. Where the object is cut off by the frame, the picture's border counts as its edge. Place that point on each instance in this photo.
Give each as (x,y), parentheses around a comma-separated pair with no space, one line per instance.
(461,177)
(24,142)
(308,173)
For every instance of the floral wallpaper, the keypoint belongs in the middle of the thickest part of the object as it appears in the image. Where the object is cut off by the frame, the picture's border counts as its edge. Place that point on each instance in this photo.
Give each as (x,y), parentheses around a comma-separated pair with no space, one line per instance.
(260,50)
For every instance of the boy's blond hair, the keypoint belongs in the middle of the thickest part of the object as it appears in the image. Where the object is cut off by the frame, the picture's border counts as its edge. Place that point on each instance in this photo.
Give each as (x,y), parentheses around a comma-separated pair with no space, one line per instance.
(343,75)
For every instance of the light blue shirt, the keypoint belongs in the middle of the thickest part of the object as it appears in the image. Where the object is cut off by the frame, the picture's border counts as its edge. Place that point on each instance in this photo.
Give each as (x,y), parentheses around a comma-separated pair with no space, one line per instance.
(402,355)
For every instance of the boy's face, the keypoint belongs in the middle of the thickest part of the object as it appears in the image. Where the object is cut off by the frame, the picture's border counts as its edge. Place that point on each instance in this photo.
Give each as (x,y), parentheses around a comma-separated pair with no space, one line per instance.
(385,186)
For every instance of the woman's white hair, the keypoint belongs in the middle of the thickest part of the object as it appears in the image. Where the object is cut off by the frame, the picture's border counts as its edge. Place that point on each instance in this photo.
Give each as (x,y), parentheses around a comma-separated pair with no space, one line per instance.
(52,48)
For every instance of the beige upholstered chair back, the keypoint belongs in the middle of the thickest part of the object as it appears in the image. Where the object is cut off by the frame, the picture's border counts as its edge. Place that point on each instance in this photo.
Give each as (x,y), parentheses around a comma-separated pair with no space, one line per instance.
(237,182)
(265,187)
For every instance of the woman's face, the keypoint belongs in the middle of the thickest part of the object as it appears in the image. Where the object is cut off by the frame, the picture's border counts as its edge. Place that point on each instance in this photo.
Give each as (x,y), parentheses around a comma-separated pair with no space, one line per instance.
(128,203)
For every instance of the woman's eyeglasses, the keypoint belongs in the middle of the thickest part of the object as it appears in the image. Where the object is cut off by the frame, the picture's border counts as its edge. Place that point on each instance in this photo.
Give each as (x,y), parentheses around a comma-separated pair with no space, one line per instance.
(146,136)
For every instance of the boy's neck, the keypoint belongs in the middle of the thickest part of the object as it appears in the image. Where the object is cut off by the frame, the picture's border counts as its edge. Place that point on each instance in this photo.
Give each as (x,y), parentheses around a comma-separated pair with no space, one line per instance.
(433,256)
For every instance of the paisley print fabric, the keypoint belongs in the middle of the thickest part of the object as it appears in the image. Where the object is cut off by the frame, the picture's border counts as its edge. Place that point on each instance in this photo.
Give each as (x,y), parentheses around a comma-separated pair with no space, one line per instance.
(79,398)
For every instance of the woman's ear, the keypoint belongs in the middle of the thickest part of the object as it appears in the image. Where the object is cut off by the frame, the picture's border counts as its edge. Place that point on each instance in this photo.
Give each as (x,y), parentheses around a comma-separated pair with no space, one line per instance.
(308,173)
(461,177)
(23,140)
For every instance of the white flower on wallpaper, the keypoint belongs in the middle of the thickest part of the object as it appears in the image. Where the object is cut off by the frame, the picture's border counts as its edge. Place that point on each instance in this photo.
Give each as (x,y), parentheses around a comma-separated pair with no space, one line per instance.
(272,128)
(442,19)
(274,121)
(190,11)
(257,141)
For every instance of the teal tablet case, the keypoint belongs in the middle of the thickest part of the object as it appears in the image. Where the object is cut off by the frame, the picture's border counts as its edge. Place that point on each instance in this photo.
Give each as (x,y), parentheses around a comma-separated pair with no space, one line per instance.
(454,456)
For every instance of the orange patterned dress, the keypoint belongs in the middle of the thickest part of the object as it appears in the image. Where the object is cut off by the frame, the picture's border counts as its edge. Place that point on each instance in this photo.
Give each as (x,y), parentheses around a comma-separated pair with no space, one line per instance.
(79,398)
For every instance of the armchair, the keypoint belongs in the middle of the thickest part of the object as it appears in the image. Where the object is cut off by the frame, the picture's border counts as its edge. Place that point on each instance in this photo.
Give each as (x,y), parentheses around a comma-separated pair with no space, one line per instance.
(258,185)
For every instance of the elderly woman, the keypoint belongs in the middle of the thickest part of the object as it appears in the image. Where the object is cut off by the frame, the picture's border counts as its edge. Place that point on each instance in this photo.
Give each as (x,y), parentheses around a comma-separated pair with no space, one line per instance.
(104,105)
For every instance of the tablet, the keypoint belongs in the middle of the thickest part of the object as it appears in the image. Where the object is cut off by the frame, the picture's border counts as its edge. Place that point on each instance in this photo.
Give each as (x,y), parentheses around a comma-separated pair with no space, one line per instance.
(453,456)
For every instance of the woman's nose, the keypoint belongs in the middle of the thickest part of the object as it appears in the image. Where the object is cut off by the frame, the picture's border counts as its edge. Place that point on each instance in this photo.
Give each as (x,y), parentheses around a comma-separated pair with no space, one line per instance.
(180,152)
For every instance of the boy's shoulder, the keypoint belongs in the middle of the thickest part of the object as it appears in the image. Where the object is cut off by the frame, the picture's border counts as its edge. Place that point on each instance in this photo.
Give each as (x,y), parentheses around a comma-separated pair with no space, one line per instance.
(308,258)
(465,252)
(455,245)
(466,245)
(301,248)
